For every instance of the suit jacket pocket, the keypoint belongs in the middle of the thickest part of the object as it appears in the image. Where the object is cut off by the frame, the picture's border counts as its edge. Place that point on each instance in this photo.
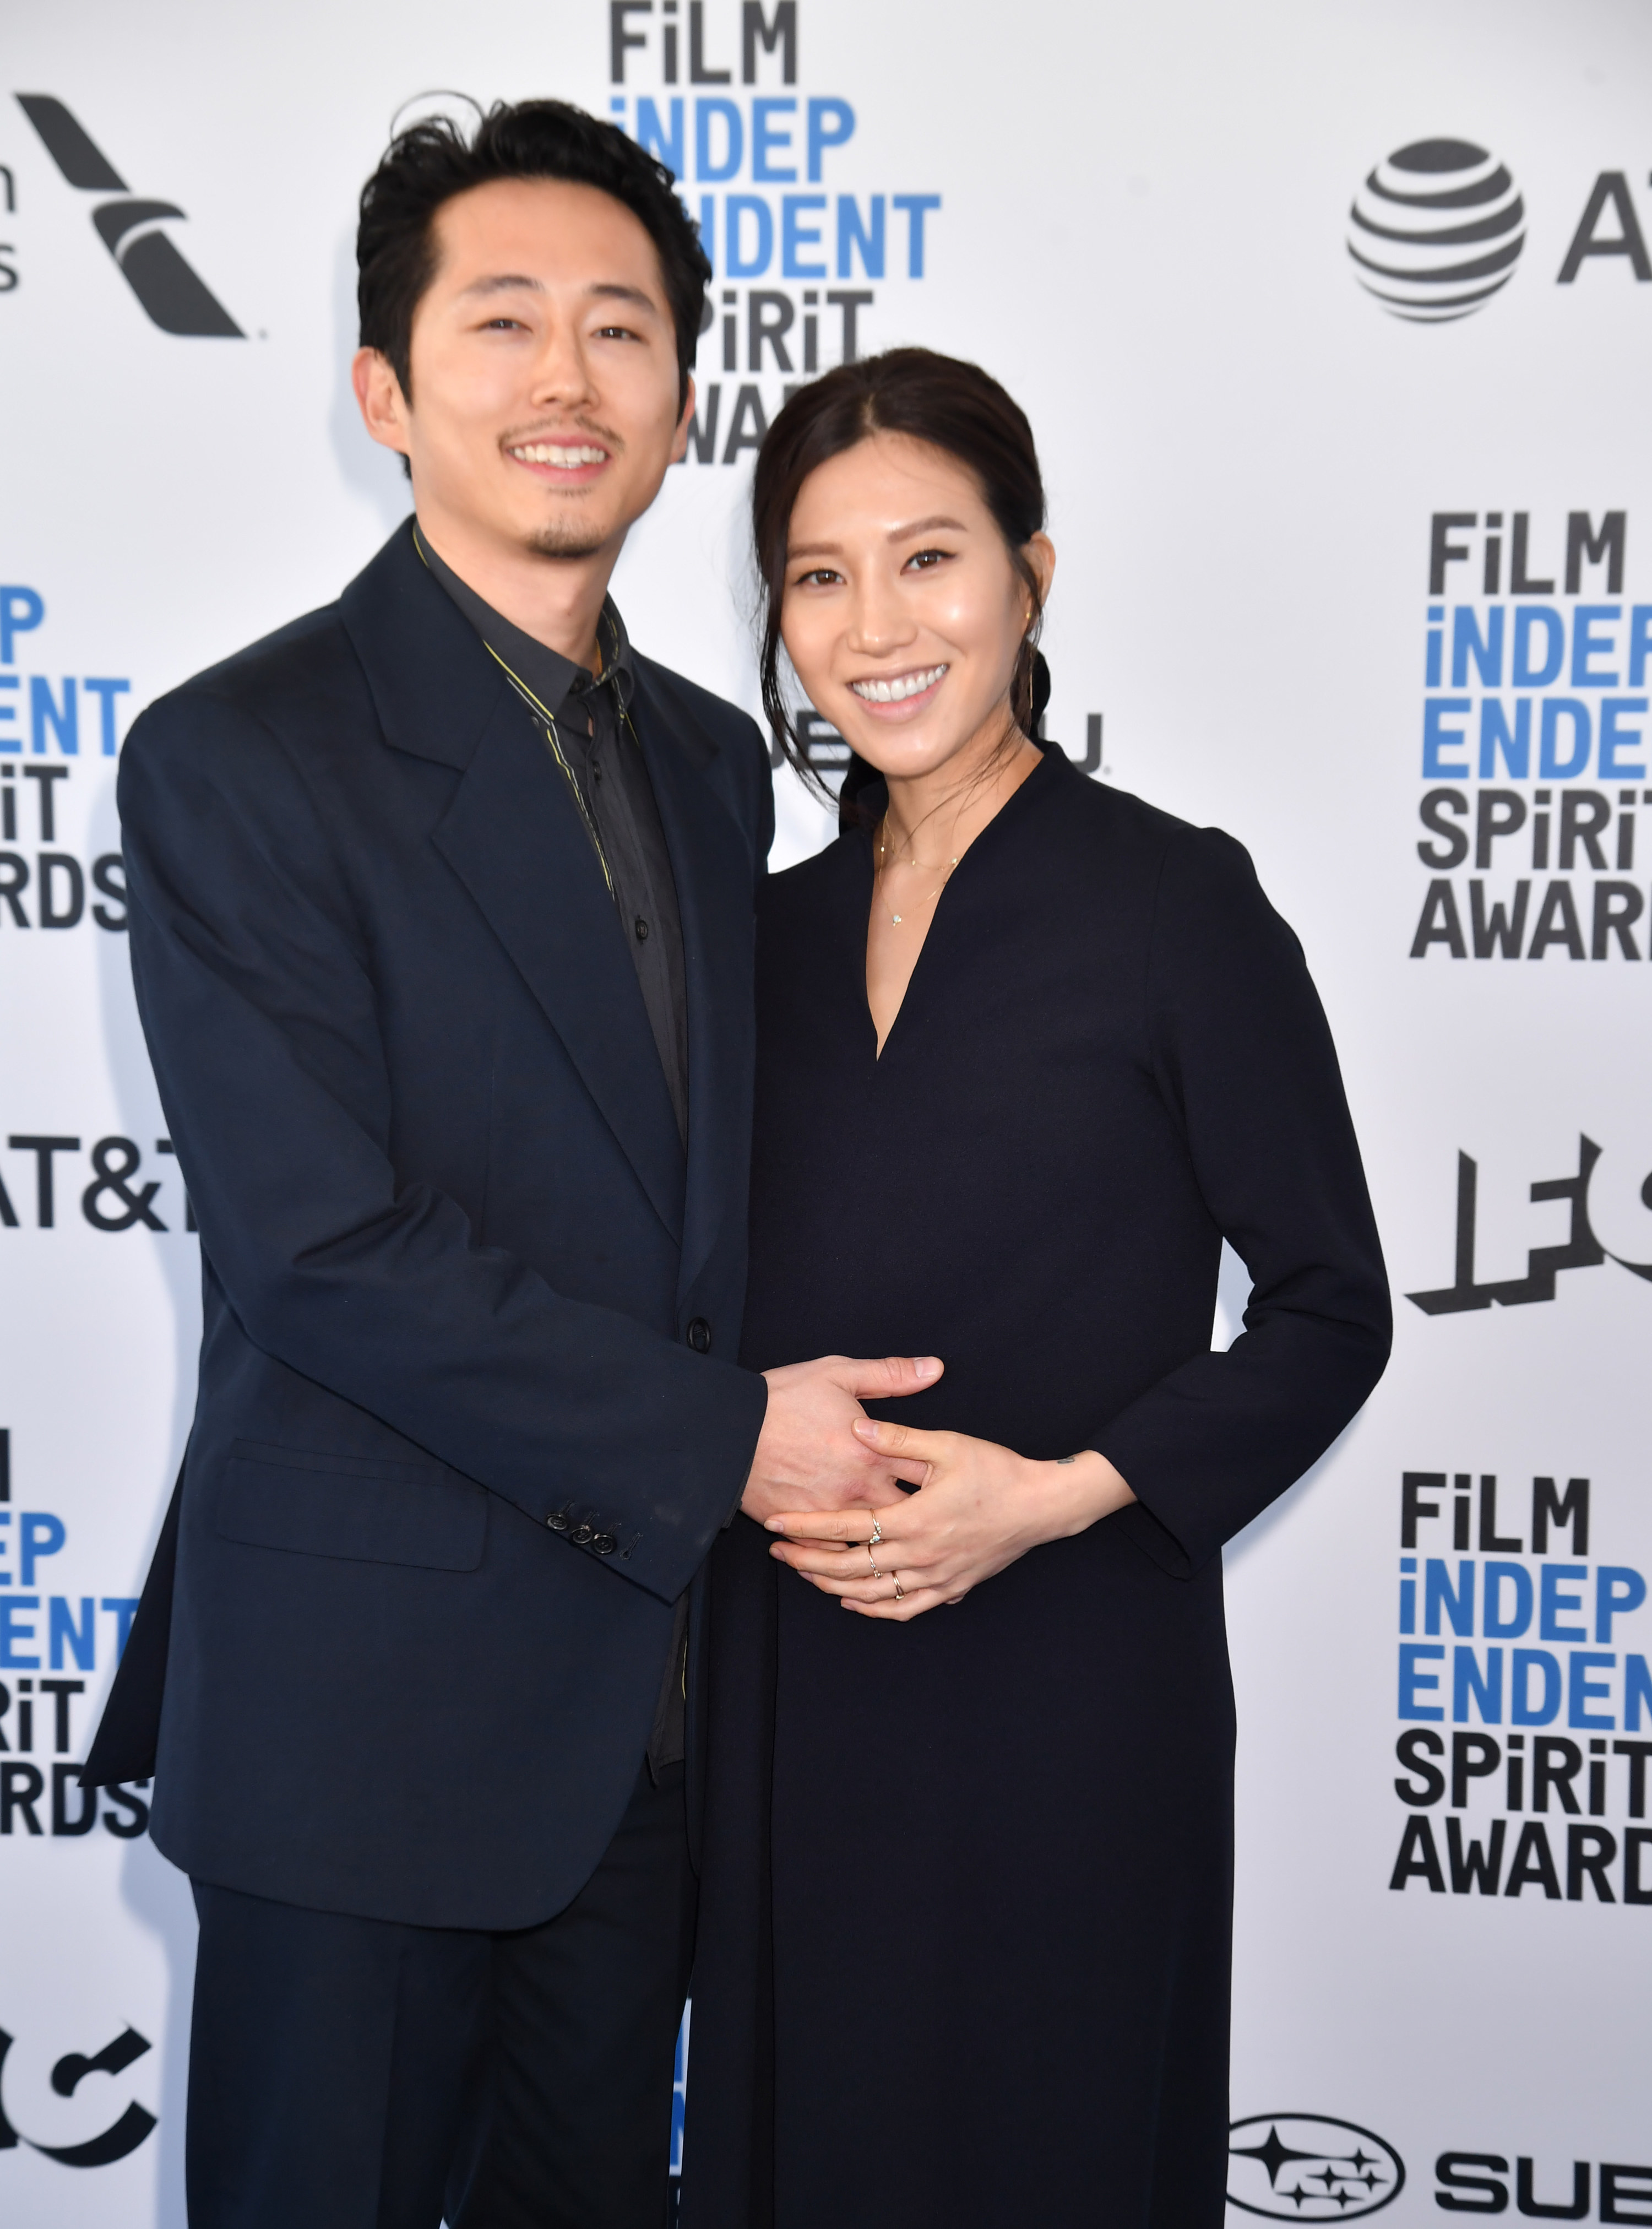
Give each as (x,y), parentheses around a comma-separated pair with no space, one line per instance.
(342,1505)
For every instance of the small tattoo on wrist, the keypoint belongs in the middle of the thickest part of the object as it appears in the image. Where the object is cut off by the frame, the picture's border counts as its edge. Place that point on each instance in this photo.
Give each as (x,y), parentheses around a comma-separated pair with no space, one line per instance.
(1066,1459)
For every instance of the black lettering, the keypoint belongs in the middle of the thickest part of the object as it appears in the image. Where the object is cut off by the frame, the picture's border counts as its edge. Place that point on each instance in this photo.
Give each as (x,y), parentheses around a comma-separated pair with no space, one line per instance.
(1412,1485)
(43,1149)
(1584,814)
(698,72)
(1493,2194)
(1584,543)
(1570,1508)
(1618,906)
(748,426)
(136,1206)
(1474,1757)
(109,876)
(1497,812)
(1437,803)
(1440,924)
(14,881)
(702,439)
(21,1789)
(1497,927)
(768,317)
(1409,1750)
(1442,551)
(56,866)
(1492,1542)
(849,303)
(84,1817)
(1532,2207)
(46,778)
(1590,1850)
(1532,1866)
(781,32)
(60,1690)
(136,1819)
(1635,1890)
(621,38)
(1557,924)
(1615,2194)
(1638,1753)
(1556,1764)
(1471,1866)
(1611,186)
(1419,1858)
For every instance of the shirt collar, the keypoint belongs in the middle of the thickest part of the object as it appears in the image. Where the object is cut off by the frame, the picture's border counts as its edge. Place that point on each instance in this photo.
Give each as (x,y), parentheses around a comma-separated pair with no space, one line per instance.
(544,673)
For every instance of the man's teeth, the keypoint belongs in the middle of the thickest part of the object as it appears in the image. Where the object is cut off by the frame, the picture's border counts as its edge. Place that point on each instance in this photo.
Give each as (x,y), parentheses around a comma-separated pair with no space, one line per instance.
(550,453)
(896,691)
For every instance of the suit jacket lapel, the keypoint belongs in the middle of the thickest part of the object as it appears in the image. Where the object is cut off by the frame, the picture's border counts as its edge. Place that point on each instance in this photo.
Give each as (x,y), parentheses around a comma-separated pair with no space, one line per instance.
(513,834)
(712,874)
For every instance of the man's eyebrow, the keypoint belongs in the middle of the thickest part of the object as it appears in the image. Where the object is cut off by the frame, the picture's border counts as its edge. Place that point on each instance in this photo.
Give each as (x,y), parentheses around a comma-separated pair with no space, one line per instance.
(504,282)
(510,282)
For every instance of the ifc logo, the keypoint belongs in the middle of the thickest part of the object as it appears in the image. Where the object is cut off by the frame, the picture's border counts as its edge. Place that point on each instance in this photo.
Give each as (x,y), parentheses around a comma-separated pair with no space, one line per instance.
(1437,230)
(1304,2166)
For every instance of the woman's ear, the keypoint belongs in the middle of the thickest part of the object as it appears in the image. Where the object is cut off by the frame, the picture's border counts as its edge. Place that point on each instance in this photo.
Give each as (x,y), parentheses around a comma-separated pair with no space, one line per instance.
(1040,554)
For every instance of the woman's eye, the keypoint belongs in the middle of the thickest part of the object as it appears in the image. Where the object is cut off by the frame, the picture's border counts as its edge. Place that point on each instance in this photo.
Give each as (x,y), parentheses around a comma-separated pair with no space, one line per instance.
(821,577)
(926,560)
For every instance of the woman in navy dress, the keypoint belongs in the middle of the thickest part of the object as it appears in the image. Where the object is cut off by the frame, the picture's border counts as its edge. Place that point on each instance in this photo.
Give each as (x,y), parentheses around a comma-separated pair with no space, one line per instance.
(1028,1050)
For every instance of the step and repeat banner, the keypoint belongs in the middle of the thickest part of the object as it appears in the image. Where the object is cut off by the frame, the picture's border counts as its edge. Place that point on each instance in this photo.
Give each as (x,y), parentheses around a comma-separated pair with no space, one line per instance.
(1335,326)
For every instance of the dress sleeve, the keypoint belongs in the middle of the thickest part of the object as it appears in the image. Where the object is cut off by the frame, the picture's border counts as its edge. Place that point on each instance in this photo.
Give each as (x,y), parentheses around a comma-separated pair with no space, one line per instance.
(1243,1054)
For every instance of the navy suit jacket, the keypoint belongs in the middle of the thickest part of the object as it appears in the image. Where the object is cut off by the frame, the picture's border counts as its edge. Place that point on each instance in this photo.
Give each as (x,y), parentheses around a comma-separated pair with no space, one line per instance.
(469,1414)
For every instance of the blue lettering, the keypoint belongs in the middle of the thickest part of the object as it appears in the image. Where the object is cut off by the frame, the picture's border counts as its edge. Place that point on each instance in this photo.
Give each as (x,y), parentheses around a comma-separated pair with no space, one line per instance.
(1637,1689)
(1640,641)
(1496,1626)
(1413,1679)
(653,138)
(1437,737)
(767,137)
(80,1639)
(1549,763)
(915,205)
(8,712)
(1523,674)
(706,114)
(21,610)
(1584,1690)
(831,123)
(14,1630)
(1521,1711)
(736,263)
(1487,1692)
(1466,644)
(123,1609)
(1495,737)
(1437,1596)
(1612,737)
(1587,645)
(1618,1591)
(1554,1602)
(852,234)
(43,710)
(40,1534)
(796,236)
(106,691)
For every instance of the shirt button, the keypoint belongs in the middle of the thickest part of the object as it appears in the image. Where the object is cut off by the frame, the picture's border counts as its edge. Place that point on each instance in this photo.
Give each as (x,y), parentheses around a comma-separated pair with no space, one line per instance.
(603,1543)
(580,1535)
(641,926)
(700,1335)
(560,1522)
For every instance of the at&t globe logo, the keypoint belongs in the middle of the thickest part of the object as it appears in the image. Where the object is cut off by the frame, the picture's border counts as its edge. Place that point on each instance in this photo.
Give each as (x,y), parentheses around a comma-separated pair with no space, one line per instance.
(1437,230)
(1304,2166)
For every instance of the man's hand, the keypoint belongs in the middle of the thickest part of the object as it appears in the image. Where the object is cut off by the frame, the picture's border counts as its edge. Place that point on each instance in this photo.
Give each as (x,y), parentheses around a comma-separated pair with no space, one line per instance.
(809,1455)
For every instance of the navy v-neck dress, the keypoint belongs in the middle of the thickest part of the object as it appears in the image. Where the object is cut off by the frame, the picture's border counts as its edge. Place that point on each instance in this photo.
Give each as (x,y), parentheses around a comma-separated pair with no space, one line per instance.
(966,1882)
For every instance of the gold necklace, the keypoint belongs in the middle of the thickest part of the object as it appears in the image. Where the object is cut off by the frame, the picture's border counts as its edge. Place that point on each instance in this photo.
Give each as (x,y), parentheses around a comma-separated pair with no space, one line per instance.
(896,919)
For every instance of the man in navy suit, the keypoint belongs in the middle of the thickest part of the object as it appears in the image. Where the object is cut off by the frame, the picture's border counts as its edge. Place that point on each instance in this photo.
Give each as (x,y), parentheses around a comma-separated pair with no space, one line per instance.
(441,924)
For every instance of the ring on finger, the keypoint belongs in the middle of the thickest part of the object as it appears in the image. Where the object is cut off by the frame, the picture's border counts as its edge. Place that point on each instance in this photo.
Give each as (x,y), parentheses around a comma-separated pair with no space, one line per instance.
(899,1590)
(873,1560)
(877,1535)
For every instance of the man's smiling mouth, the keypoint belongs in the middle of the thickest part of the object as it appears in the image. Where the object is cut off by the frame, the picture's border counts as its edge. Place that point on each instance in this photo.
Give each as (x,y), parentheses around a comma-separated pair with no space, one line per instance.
(565,456)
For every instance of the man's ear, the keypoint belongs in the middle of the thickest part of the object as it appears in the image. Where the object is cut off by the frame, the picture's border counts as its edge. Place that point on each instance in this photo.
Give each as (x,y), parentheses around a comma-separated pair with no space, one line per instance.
(680,440)
(379,396)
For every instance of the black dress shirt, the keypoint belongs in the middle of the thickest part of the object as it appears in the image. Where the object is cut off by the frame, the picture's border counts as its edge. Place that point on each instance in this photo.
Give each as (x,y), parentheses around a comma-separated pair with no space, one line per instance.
(584,719)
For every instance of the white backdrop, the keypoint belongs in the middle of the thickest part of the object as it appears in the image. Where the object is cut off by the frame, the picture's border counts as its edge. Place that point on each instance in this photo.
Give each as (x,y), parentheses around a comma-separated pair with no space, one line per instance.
(1142,227)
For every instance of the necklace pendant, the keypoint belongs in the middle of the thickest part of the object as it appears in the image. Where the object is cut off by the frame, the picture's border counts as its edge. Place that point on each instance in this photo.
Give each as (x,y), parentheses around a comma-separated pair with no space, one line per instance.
(895,917)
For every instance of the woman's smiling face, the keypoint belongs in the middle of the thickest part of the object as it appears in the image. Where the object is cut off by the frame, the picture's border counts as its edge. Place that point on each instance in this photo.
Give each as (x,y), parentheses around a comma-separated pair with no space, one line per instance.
(903,611)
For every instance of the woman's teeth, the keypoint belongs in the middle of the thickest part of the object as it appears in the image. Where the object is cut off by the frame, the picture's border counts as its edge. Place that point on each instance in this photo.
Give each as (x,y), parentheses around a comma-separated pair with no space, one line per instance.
(897,691)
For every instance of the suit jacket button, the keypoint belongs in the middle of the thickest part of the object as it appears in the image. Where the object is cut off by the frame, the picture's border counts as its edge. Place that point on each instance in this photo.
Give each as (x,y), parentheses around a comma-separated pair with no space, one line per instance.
(560,1522)
(604,1544)
(700,1335)
(580,1535)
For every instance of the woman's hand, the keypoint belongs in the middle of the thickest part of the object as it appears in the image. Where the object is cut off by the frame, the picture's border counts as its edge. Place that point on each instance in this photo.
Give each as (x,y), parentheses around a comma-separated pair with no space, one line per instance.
(979,1506)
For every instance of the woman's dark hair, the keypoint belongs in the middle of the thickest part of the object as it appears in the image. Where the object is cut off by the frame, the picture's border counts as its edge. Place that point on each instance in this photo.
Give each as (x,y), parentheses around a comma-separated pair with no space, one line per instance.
(953,406)
(432,161)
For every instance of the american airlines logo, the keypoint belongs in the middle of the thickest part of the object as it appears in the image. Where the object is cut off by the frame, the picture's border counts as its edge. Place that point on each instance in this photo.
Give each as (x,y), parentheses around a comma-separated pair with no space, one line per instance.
(147,259)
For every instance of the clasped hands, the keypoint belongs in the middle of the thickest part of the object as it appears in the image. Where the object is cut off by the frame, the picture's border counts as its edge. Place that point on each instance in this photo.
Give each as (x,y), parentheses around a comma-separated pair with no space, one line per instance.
(827,1479)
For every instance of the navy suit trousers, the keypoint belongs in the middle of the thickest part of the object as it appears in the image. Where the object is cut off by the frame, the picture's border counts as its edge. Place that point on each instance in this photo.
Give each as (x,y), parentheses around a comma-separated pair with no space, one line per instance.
(353,2074)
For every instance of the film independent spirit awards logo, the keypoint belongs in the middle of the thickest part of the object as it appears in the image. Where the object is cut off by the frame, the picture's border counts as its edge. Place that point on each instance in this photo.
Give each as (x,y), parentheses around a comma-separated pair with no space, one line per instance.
(1306,2167)
(146,257)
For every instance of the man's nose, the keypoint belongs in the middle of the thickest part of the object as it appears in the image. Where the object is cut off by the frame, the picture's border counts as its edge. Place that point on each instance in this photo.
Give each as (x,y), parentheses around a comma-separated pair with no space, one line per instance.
(562,370)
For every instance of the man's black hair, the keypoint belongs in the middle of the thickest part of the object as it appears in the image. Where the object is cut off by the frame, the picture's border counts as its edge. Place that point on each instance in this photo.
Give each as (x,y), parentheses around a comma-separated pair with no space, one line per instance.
(432,161)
